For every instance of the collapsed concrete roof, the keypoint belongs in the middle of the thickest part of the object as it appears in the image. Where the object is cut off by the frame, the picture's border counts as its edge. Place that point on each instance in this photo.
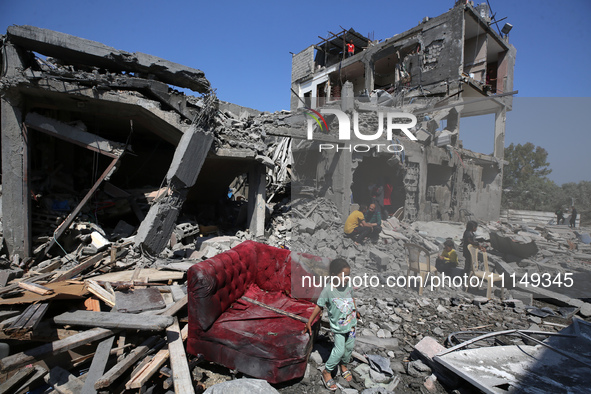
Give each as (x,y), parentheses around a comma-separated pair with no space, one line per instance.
(79,51)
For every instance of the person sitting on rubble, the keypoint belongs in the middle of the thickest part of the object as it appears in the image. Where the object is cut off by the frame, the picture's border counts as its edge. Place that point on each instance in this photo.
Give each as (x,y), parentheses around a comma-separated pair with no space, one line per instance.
(374,216)
(356,227)
(447,261)
(337,298)
(470,239)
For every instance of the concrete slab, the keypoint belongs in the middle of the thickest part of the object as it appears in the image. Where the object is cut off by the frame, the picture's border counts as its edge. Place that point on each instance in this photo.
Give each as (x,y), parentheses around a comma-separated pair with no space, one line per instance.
(76,50)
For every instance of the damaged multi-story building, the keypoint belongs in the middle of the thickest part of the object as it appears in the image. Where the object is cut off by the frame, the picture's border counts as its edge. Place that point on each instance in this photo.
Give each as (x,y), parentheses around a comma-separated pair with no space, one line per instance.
(75,110)
(447,68)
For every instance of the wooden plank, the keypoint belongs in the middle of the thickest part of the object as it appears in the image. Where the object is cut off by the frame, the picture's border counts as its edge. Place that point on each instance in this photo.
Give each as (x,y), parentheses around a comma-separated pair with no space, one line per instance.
(51,267)
(16,379)
(152,274)
(30,318)
(38,374)
(15,286)
(63,381)
(124,321)
(97,367)
(121,346)
(35,288)
(108,378)
(113,254)
(277,310)
(99,292)
(39,353)
(141,376)
(89,262)
(178,360)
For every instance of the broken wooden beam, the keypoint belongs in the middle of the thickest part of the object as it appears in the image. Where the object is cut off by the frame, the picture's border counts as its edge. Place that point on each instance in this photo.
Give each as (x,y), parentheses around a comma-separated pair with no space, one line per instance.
(114,320)
(77,50)
(35,288)
(142,375)
(99,292)
(181,374)
(39,353)
(108,378)
(89,262)
(16,379)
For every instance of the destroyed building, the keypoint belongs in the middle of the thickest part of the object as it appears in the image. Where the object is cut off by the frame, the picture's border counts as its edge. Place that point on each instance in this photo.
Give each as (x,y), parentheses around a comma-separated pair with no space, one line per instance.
(83,122)
(447,68)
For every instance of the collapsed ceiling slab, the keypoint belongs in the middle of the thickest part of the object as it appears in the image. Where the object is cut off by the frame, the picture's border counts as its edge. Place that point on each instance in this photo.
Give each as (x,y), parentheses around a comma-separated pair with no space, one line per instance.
(79,51)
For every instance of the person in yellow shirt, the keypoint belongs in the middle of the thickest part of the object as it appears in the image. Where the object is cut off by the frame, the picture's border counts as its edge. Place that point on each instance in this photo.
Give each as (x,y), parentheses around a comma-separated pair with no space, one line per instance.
(447,262)
(356,227)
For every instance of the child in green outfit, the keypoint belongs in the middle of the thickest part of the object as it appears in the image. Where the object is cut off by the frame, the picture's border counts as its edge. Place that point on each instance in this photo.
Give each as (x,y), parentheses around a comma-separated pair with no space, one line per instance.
(342,313)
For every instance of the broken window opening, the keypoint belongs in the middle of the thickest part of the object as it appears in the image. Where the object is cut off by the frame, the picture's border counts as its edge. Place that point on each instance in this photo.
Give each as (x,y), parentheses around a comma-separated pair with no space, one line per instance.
(490,174)
(322,93)
(477,133)
(305,181)
(439,191)
(308,99)
(475,51)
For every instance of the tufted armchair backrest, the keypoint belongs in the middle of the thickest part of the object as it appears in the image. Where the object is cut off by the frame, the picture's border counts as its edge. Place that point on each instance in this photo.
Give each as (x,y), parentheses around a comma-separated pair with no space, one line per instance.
(273,268)
(214,284)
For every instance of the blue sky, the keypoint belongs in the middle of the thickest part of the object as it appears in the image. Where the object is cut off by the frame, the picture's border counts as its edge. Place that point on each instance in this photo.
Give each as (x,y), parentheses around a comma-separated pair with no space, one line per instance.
(244,49)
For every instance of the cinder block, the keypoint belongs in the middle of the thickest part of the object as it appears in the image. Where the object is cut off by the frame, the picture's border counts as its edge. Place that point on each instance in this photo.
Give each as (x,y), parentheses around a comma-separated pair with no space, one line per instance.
(428,347)
(526,298)
(380,258)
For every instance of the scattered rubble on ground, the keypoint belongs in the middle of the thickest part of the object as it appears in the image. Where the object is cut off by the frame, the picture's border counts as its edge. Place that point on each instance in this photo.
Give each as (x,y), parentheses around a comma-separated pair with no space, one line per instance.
(37,301)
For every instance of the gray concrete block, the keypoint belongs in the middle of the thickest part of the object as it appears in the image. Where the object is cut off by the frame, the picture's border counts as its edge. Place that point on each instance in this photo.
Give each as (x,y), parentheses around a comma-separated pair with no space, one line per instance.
(526,298)
(189,157)
(380,258)
(307,226)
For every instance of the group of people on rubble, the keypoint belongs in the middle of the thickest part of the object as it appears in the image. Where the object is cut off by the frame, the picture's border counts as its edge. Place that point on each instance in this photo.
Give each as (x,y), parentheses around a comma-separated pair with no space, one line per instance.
(573,217)
(366,222)
(338,298)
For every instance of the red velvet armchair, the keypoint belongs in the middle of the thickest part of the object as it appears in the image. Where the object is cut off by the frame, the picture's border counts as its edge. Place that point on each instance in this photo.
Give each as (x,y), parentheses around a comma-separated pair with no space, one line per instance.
(227,329)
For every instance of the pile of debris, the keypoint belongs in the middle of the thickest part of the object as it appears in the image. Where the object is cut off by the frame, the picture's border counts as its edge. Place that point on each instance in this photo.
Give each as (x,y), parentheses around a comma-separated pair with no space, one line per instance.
(65,301)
